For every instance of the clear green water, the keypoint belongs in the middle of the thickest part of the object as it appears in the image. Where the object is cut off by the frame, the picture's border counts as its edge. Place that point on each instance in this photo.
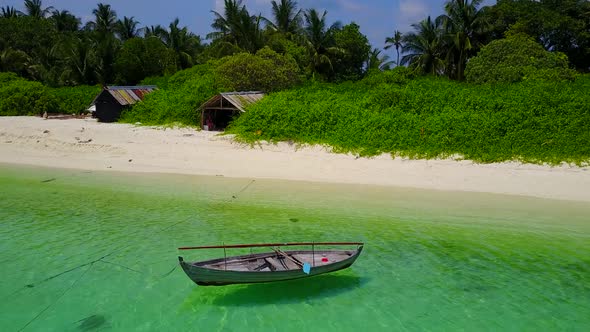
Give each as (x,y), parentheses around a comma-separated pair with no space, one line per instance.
(433,260)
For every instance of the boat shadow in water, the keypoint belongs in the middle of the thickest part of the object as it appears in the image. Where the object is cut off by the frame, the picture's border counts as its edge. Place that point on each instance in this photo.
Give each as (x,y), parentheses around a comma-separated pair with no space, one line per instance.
(284,292)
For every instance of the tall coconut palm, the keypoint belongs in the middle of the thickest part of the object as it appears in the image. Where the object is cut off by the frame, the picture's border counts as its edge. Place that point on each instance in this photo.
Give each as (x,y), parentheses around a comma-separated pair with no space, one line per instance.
(376,61)
(228,24)
(127,28)
(80,62)
(183,42)
(34,8)
(105,19)
(106,46)
(395,41)
(152,31)
(318,39)
(237,26)
(424,47)
(286,17)
(465,25)
(14,60)
(8,12)
(65,21)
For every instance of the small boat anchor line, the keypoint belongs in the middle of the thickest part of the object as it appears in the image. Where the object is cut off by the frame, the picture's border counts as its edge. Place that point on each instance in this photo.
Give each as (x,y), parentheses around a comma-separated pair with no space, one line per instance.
(277,265)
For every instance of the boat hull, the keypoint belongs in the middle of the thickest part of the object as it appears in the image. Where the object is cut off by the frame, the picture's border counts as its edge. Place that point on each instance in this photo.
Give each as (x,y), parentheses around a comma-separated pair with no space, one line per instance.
(205,276)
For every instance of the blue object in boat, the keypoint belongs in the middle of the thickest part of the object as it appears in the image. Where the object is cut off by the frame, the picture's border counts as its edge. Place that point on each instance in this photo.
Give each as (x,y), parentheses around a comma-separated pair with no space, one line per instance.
(306,268)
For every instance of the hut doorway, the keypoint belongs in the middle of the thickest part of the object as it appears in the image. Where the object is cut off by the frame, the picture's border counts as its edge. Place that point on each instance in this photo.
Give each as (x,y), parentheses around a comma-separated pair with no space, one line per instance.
(220,110)
(218,120)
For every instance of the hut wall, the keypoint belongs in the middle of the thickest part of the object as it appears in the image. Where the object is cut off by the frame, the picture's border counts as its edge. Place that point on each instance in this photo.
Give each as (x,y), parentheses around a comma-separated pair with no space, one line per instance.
(107,108)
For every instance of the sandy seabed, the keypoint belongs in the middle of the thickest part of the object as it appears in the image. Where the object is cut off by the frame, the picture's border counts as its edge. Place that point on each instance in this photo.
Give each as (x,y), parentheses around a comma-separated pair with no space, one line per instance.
(90,145)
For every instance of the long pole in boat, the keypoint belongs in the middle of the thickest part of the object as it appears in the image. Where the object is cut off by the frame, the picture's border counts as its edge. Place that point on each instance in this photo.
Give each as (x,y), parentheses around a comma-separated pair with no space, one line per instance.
(273,245)
(312,254)
(224,258)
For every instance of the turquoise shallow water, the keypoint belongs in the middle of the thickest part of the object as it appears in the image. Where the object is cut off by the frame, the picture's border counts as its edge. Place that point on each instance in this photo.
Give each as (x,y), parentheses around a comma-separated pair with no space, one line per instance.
(91,251)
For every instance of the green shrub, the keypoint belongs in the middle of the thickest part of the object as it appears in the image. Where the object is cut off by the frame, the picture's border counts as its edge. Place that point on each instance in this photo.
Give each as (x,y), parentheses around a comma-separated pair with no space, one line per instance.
(6,77)
(141,57)
(533,121)
(178,103)
(21,97)
(160,81)
(266,71)
(75,99)
(515,59)
(397,75)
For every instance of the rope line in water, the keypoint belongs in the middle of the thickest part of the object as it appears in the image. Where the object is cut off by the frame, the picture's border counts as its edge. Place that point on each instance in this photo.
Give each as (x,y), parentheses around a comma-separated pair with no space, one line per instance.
(121,265)
(35,284)
(234,196)
(58,298)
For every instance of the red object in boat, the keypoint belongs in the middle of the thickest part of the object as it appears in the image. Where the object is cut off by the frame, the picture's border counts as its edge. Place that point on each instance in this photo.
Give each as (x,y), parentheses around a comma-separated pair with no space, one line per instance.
(324,259)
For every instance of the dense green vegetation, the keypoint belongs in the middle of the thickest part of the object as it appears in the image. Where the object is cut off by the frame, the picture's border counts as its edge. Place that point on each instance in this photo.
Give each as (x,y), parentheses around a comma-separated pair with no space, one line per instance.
(489,83)
(515,59)
(534,121)
(23,97)
(177,103)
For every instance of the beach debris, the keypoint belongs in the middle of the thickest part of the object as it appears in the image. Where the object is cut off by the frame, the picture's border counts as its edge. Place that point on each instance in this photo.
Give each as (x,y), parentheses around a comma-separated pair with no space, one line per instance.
(109,166)
(130,160)
(8,142)
(45,115)
(48,180)
(45,131)
(92,322)
(86,141)
(82,130)
(188,135)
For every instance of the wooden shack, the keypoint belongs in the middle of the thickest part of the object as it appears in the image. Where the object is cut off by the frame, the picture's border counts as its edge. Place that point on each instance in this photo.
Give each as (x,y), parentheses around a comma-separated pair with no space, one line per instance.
(218,112)
(111,101)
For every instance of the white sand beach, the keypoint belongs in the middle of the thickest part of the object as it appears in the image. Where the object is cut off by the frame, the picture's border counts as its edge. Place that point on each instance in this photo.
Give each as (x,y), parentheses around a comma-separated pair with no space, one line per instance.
(89,145)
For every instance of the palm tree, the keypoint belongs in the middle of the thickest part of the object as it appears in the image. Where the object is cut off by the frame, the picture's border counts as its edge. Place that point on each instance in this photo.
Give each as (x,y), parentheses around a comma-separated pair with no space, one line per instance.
(153,31)
(287,19)
(80,64)
(34,8)
(8,12)
(377,62)
(397,41)
(127,28)
(465,25)
(183,42)
(237,26)
(105,19)
(318,39)
(227,25)
(65,21)
(424,47)
(14,60)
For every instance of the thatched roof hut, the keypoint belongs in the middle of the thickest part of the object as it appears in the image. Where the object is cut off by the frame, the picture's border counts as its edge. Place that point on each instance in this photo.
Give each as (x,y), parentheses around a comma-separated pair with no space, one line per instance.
(217,112)
(111,101)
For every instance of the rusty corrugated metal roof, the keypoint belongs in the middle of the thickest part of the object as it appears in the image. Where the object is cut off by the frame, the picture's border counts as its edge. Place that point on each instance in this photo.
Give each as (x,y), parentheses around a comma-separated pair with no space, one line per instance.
(238,99)
(128,95)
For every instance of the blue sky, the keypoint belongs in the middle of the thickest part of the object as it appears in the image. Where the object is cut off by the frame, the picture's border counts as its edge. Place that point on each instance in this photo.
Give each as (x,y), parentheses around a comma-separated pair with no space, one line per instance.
(377,18)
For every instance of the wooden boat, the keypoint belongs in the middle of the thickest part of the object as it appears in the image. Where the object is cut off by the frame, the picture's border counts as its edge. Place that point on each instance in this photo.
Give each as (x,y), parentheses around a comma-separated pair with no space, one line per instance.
(277,265)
